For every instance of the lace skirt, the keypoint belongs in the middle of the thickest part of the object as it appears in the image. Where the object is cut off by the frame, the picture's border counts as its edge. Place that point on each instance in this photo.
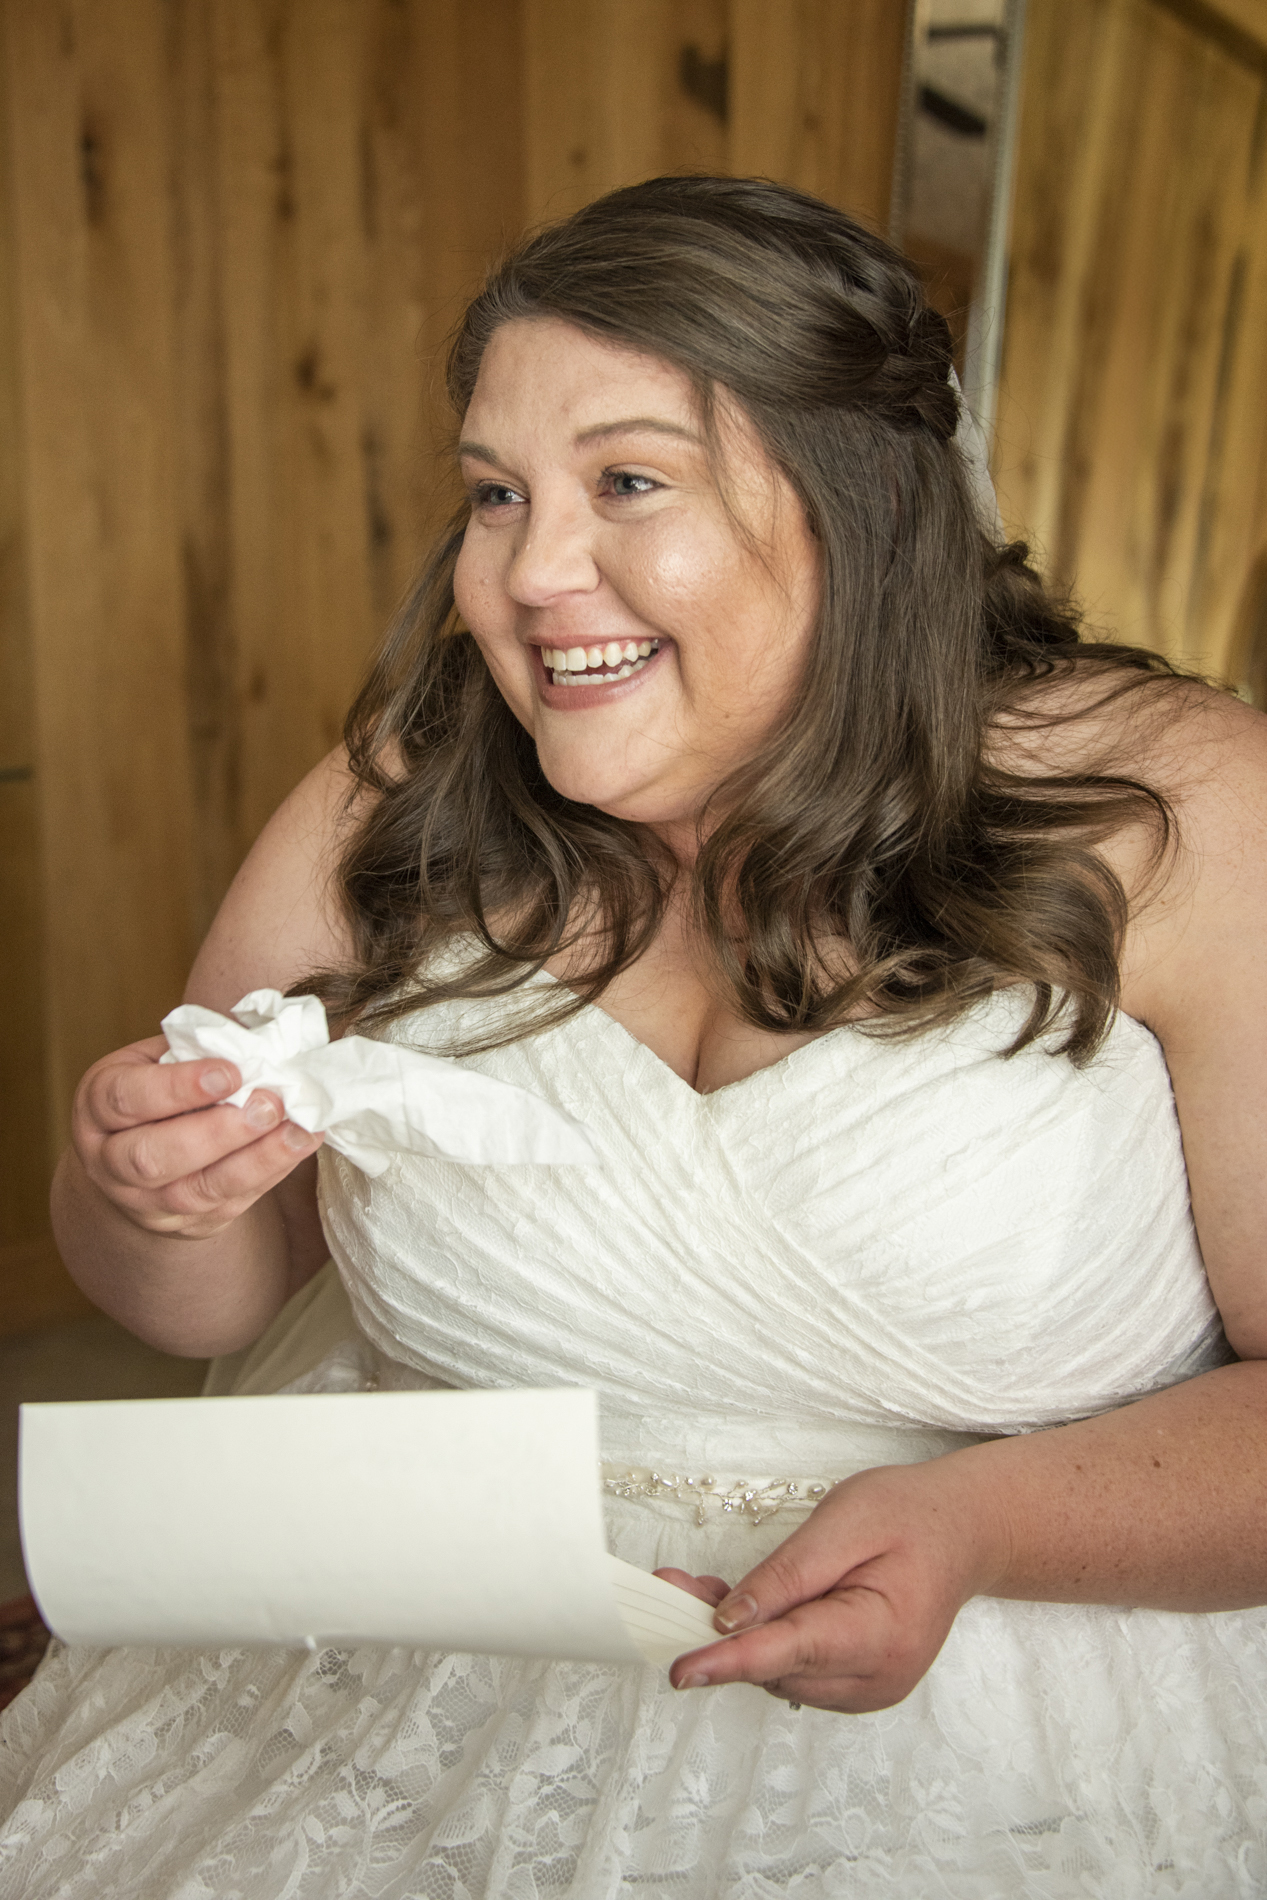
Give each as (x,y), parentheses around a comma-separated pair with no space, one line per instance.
(1059,1752)
(1052,1751)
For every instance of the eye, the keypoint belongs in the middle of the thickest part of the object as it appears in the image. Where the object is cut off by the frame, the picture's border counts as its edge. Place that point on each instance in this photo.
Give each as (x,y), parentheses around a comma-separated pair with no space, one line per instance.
(626,486)
(494,495)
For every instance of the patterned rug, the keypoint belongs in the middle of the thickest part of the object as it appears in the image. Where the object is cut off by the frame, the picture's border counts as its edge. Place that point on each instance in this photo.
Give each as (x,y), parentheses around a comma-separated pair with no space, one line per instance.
(23,1640)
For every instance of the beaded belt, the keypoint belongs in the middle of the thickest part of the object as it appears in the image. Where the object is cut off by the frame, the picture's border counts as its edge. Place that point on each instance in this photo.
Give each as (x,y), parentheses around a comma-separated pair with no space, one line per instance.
(707,1497)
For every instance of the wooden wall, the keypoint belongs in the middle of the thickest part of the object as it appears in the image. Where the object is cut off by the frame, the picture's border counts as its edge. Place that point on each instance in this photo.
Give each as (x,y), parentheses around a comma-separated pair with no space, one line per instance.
(232,236)
(1132,428)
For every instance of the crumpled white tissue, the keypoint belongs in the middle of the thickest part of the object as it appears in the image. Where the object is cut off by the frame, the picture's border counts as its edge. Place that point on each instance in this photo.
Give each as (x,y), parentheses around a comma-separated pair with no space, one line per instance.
(373,1099)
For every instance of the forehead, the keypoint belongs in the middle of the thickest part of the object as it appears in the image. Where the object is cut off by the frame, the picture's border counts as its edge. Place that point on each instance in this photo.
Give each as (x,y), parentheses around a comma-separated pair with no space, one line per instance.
(560,373)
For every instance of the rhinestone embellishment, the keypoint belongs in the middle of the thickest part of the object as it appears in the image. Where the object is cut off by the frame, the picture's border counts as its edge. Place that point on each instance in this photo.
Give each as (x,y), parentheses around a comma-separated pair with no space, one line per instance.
(707,1497)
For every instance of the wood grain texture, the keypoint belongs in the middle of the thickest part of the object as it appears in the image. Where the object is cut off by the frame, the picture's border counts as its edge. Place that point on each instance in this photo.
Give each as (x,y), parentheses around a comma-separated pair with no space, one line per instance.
(25,1128)
(1130,434)
(1238,27)
(235,235)
(94,301)
(355,218)
(815,97)
(593,84)
(35,1288)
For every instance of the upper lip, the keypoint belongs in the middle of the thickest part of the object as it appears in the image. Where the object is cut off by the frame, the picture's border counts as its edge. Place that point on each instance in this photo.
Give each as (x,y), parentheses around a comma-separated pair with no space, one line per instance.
(592,640)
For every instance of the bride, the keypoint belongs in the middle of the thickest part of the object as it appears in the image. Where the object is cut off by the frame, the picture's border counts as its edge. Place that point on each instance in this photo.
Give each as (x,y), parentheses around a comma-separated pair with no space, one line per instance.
(726,782)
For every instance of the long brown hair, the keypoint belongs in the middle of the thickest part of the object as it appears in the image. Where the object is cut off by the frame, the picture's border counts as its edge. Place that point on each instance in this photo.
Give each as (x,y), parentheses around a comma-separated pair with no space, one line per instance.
(874,814)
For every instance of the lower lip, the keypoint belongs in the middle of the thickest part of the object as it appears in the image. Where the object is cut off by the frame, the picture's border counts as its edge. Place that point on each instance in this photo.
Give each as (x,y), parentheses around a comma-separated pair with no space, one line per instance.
(583,698)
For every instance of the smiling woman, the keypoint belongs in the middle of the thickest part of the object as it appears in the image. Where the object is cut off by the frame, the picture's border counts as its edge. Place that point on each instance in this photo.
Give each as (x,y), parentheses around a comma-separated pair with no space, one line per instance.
(726,783)
(737,452)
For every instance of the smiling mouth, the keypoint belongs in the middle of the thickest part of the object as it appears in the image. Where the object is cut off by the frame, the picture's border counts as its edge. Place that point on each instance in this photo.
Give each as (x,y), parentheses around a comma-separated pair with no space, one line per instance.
(590,666)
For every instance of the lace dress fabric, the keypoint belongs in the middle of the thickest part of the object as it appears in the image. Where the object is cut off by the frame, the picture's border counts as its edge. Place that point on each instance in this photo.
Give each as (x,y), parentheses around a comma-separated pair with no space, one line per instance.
(871,1252)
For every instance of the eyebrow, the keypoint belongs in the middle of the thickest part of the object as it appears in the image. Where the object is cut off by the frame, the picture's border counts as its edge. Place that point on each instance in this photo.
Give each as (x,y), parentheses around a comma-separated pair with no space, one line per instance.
(634,425)
(628,425)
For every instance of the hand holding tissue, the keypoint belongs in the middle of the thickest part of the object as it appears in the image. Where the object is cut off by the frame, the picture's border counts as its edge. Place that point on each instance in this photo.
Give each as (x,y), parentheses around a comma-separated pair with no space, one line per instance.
(373,1099)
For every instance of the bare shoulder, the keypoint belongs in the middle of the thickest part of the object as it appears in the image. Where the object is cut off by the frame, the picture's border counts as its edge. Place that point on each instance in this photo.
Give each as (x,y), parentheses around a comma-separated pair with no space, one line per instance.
(1199,919)
(282,916)
(1194,962)
(1205,753)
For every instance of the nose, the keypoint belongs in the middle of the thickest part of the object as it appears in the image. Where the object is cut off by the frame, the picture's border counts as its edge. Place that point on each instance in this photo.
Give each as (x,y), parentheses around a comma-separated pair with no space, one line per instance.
(554,556)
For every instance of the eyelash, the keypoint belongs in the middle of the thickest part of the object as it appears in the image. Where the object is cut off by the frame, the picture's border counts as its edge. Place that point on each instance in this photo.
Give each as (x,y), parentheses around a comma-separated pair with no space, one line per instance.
(483,492)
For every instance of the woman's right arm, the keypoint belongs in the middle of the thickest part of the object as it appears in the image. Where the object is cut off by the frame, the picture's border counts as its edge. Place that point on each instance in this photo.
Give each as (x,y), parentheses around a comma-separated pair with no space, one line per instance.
(189,1221)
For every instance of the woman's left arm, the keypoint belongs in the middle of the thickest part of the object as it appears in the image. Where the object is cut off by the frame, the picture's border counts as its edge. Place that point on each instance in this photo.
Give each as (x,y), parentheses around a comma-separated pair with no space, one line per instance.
(1162,1503)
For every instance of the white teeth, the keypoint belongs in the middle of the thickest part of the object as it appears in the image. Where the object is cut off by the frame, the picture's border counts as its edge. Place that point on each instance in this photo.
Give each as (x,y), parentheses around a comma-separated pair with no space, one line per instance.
(580,666)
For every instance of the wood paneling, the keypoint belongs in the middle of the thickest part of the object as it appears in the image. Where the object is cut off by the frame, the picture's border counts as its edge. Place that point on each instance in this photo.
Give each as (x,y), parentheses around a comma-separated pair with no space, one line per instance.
(234,234)
(810,89)
(97,386)
(354,209)
(34,1286)
(1130,438)
(815,97)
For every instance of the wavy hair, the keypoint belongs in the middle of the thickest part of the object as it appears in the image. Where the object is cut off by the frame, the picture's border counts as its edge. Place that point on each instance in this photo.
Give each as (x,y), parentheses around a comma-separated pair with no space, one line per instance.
(875,815)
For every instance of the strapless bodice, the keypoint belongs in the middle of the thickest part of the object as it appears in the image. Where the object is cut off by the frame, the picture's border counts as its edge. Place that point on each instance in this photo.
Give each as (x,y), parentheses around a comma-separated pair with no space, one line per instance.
(871,1233)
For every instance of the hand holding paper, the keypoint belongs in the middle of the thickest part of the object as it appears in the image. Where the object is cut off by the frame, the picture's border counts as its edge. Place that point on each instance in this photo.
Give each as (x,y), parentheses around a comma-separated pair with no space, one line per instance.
(373,1099)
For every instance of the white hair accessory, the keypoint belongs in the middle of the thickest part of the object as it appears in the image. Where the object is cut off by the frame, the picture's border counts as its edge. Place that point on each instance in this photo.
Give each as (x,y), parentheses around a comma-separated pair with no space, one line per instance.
(969,439)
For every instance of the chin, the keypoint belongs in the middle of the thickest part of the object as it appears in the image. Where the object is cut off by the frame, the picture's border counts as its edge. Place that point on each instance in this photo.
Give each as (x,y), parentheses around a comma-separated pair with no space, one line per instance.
(585,782)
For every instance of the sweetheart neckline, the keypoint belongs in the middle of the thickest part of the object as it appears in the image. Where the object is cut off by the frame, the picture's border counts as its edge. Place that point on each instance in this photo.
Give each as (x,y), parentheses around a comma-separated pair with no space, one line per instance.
(656,1063)
(703,1095)
(783,1062)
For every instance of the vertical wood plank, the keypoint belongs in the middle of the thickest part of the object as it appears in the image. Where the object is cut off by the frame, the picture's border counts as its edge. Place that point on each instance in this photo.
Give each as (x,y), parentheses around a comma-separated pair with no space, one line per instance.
(202,451)
(436,218)
(290,198)
(94,299)
(1138,239)
(595,77)
(815,97)
(694,119)
(1229,561)
(25,1129)
(357,211)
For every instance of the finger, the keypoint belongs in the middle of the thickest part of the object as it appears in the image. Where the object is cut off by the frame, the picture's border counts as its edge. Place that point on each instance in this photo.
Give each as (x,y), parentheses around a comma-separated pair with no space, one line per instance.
(134,1087)
(837,1637)
(157,1153)
(213,1196)
(830,1544)
(709,1590)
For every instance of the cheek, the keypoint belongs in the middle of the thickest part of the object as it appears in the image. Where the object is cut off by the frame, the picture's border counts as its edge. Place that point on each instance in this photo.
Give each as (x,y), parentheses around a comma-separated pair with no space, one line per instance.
(511,675)
(678,582)
(477,587)
(465,580)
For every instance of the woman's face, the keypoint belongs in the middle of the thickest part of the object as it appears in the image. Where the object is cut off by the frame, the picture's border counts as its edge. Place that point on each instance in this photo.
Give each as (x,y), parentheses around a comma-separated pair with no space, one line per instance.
(648,643)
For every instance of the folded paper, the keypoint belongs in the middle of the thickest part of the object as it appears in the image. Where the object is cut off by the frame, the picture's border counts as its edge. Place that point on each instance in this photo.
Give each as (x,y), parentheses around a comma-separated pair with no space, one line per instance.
(436,1520)
(373,1099)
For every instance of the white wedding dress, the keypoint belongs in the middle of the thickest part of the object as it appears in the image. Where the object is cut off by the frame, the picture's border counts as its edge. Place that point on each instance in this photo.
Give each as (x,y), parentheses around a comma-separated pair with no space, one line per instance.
(860,1254)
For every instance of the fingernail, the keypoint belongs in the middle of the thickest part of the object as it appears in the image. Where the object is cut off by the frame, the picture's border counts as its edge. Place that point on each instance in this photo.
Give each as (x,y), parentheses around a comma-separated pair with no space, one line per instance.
(260,1112)
(733,1613)
(693,1682)
(296,1137)
(217,1083)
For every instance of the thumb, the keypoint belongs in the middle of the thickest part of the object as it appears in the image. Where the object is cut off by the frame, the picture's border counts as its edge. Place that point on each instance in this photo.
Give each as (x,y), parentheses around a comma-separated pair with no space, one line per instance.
(813,1560)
